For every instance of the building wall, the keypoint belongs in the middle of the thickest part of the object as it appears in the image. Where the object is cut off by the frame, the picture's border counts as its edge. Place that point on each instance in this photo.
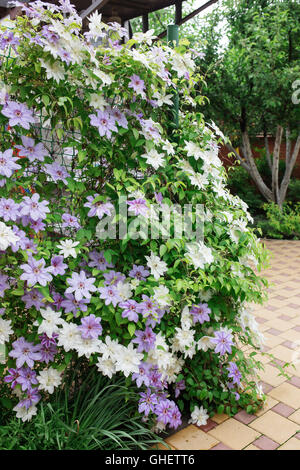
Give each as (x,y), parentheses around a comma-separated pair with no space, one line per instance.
(259,143)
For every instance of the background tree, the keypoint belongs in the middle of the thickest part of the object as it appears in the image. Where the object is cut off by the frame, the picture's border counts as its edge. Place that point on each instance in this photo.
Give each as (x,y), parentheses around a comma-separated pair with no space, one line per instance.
(250,71)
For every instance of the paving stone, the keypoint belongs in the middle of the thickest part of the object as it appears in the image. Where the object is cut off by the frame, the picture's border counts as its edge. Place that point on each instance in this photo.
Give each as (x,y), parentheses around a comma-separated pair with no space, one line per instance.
(163,446)
(282,353)
(270,376)
(221,446)
(269,404)
(295,417)
(291,444)
(287,394)
(264,443)
(274,426)
(295,381)
(208,426)
(220,418)
(283,410)
(192,438)
(244,417)
(234,434)
(251,447)
(290,335)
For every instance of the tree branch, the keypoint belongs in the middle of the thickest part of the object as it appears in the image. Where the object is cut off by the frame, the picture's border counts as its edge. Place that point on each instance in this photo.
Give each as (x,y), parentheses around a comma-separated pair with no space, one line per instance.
(288,172)
(275,167)
(254,173)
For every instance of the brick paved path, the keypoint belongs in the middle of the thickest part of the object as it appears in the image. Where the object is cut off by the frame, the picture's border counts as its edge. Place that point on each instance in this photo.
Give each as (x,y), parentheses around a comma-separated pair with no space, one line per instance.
(277,426)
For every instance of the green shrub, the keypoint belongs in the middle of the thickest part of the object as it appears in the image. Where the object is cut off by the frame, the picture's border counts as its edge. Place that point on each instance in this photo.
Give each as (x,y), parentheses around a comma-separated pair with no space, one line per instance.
(241,184)
(100,414)
(283,223)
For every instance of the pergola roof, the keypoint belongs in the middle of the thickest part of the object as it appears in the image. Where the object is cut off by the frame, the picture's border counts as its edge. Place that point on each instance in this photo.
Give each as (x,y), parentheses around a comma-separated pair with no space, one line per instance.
(126,9)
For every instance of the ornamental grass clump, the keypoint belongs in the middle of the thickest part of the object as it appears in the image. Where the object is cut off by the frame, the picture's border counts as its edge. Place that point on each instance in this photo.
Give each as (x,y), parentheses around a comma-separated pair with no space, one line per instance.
(89,161)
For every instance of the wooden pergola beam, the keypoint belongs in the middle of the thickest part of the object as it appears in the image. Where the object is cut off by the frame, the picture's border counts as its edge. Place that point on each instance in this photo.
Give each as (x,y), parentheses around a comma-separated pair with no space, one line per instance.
(94,6)
(178,11)
(189,16)
(145,23)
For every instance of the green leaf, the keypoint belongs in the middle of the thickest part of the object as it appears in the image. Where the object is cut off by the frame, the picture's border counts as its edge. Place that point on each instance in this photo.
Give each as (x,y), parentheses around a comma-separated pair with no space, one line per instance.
(131,328)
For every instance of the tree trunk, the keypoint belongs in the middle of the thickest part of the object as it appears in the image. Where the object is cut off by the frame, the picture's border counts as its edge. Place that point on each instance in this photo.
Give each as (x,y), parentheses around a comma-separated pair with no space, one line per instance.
(275,166)
(290,163)
(254,173)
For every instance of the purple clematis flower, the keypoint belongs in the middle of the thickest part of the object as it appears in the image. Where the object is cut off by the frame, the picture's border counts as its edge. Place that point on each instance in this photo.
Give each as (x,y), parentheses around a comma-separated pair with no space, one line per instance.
(30,150)
(34,208)
(8,163)
(139,272)
(3,284)
(234,373)
(37,225)
(119,117)
(90,327)
(98,261)
(105,123)
(110,295)
(12,377)
(138,207)
(33,298)
(8,39)
(175,417)
(19,114)
(32,398)
(147,402)
(27,377)
(223,342)
(9,210)
(70,220)
(25,352)
(57,172)
(35,272)
(70,304)
(58,265)
(81,285)
(137,84)
(163,411)
(130,310)
(200,313)
(98,208)
(113,277)
(179,386)
(144,339)
(142,377)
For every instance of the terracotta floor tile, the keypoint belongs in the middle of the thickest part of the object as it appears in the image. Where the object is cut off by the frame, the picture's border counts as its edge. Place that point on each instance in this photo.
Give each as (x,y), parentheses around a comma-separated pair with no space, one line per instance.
(244,417)
(192,438)
(264,443)
(287,394)
(283,410)
(234,434)
(274,426)
(295,381)
(221,446)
